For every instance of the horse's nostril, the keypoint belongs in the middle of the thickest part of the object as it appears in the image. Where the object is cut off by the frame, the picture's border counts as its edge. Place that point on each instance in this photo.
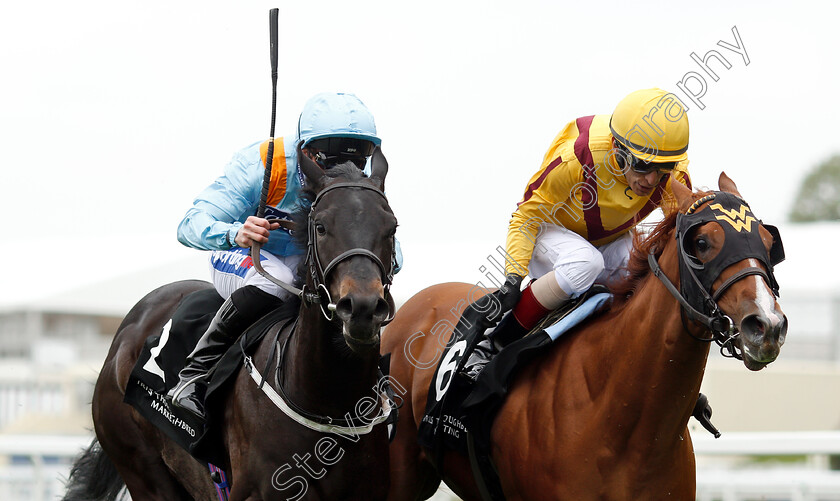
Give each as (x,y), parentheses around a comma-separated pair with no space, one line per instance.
(363,309)
(752,325)
(344,308)
(382,310)
(783,329)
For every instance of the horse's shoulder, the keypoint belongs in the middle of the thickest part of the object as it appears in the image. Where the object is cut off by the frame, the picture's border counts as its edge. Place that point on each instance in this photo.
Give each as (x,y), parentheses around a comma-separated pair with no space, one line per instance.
(423,310)
(576,371)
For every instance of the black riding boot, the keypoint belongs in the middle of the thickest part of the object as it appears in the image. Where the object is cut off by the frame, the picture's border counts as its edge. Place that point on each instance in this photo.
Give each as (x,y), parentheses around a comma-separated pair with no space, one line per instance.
(239,311)
(508,331)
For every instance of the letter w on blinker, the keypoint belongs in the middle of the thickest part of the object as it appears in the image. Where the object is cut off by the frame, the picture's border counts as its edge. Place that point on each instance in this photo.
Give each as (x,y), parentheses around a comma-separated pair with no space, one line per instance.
(739,218)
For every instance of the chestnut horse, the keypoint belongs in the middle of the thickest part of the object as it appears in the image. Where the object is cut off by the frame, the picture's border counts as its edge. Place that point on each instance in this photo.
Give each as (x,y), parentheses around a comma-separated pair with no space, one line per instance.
(329,367)
(604,414)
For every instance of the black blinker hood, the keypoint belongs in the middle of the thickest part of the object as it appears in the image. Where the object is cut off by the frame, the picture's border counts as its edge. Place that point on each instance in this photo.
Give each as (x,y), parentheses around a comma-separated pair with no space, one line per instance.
(743,240)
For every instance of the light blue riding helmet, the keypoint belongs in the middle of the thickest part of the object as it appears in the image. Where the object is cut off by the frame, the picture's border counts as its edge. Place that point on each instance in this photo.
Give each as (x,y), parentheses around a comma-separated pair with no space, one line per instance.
(336,115)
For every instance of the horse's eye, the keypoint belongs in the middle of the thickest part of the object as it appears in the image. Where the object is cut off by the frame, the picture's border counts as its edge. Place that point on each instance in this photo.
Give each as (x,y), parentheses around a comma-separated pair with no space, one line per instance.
(702,245)
(320,229)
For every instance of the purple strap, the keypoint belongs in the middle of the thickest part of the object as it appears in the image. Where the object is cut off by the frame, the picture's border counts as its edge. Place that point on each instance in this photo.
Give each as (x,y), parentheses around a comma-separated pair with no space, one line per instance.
(222,486)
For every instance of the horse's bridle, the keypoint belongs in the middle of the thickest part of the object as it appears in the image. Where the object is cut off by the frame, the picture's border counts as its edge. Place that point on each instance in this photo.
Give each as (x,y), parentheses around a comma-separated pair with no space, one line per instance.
(696,278)
(318,273)
(348,425)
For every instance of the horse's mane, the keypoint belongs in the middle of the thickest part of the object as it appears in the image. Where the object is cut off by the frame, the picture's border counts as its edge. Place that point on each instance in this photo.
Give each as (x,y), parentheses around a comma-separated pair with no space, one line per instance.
(643,244)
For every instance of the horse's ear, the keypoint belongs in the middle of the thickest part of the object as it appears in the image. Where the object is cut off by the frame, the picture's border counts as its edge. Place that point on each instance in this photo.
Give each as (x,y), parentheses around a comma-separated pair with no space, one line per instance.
(682,193)
(310,169)
(379,167)
(728,185)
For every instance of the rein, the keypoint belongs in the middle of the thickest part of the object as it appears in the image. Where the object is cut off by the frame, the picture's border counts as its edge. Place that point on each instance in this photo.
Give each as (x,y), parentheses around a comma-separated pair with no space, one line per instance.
(720,325)
(348,425)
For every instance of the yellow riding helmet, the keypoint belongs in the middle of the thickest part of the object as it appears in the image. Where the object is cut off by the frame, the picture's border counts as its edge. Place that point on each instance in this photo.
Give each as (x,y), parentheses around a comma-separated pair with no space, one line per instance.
(652,124)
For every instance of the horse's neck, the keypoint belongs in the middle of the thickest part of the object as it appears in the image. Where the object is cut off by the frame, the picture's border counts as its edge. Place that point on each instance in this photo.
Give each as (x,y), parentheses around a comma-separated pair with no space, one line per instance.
(320,371)
(639,366)
(661,361)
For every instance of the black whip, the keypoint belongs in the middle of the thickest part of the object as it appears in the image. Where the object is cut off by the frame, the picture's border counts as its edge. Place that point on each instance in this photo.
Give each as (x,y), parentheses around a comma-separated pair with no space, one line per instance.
(255,247)
(272,27)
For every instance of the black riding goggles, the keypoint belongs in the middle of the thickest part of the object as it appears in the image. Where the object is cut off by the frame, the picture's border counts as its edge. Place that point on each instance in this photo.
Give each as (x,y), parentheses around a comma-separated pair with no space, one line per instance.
(339,149)
(640,166)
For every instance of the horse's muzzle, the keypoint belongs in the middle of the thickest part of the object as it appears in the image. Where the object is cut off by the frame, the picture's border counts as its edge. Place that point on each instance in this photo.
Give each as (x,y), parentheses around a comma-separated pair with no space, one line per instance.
(761,339)
(362,317)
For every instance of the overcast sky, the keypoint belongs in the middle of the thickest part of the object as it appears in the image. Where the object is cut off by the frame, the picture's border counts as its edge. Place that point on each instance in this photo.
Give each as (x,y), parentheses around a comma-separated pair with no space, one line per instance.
(114,115)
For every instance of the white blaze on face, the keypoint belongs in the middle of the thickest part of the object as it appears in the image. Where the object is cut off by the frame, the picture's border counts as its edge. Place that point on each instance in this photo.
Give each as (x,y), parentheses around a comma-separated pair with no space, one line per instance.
(764,298)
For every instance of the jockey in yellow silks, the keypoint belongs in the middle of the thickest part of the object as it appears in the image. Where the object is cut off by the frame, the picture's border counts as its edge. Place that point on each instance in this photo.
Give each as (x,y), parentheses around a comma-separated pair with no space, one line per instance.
(601,175)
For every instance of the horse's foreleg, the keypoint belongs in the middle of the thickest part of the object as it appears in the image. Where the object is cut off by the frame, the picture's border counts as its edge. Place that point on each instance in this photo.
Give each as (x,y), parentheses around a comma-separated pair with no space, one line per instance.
(134,449)
(412,475)
(193,475)
(140,465)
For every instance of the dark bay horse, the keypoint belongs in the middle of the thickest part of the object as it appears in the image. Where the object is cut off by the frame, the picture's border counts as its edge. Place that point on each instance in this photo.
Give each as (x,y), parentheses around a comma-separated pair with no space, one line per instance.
(329,372)
(604,414)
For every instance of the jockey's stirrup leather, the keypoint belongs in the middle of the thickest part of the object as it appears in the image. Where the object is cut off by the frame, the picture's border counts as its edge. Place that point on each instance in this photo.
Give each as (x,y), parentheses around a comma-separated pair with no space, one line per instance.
(223,331)
(505,333)
(481,355)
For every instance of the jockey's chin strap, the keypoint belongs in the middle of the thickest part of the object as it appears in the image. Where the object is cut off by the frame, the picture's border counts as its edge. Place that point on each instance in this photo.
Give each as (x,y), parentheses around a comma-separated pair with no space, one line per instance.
(319,273)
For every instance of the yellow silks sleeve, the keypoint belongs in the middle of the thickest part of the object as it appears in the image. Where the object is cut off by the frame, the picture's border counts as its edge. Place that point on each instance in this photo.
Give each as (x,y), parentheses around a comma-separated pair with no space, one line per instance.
(547,200)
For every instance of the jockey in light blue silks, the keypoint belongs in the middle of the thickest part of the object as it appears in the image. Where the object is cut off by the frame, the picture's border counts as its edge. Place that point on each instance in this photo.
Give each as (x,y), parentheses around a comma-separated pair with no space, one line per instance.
(333,128)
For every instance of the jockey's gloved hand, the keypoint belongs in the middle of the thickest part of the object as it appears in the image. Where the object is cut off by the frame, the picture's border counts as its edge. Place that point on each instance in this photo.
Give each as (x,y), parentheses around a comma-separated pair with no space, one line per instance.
(509,293)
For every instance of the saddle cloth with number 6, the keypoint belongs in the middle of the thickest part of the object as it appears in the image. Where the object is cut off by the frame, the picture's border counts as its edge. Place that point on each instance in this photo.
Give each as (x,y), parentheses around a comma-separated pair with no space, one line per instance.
(455,405)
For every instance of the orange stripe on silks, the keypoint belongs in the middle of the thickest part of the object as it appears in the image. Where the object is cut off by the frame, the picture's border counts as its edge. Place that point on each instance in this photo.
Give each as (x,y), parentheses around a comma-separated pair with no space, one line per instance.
(277,185)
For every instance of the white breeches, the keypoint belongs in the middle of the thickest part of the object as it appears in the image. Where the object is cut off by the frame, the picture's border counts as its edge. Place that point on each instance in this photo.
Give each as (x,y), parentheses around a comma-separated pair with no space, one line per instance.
(577,264)
(232,269)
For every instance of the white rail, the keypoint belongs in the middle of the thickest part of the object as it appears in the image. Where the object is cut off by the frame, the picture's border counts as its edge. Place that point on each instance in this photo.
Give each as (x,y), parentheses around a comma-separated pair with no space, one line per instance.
(34,467)
(767,443)
(741,481)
